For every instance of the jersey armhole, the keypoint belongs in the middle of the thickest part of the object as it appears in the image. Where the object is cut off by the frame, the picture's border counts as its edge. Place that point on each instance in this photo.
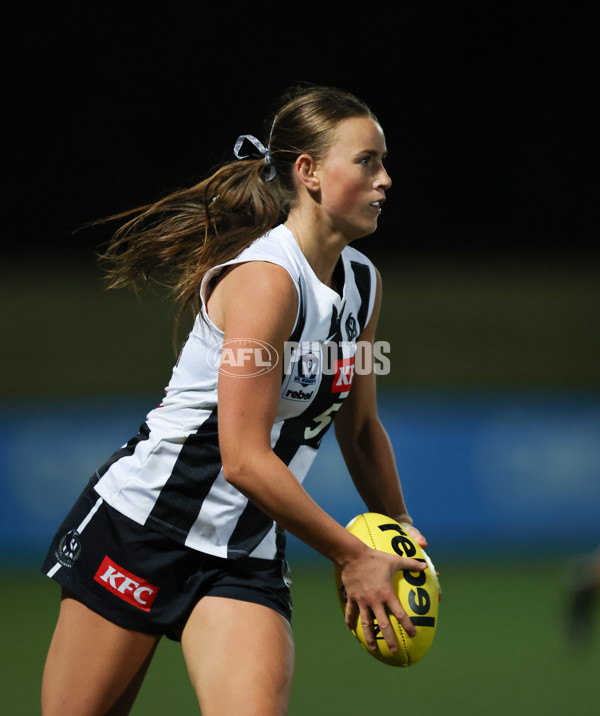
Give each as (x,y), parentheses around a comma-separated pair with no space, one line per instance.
(214,275)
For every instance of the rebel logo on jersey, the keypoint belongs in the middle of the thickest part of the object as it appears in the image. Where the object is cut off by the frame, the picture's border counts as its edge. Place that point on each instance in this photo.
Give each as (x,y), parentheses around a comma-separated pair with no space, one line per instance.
(298,394)
(125,585)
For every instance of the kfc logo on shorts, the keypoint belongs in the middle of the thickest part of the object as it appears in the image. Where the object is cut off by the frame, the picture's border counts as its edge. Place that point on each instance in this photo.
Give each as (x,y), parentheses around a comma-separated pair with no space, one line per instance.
(125,585)
(344,373)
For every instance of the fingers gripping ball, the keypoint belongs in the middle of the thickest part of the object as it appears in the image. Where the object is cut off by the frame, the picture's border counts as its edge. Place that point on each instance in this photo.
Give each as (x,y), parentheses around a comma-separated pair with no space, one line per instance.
(418,592)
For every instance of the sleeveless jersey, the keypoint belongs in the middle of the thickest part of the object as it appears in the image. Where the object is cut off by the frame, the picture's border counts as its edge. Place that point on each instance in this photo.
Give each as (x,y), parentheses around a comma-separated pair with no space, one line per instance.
(169,477)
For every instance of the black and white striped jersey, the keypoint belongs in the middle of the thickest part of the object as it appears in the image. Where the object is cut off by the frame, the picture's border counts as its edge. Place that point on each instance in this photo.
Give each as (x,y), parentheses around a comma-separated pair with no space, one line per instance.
(169,477)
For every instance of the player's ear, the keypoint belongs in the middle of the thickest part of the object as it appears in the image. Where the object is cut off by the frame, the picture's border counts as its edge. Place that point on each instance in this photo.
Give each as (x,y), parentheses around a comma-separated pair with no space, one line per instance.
(306,172)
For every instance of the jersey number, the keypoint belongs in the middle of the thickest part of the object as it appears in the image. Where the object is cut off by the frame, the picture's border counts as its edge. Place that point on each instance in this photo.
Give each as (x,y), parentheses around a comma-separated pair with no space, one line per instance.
(322,421)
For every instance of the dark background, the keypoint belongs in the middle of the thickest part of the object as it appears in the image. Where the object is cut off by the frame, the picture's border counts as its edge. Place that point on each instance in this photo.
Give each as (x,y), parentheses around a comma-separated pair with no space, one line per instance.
(486,108)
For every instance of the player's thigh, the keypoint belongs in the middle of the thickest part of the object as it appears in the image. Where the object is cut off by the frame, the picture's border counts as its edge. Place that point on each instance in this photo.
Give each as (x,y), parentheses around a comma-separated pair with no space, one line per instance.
(93,664)
(240,657)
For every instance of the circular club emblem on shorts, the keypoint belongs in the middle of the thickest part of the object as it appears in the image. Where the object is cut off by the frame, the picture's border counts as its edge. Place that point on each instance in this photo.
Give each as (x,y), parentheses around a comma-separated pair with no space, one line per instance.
(69,549)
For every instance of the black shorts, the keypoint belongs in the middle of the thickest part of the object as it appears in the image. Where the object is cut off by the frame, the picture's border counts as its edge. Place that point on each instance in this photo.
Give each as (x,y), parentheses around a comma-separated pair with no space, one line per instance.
(141,580)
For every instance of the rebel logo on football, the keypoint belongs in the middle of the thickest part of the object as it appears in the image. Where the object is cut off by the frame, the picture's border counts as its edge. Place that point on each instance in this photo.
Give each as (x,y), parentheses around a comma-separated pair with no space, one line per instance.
(125,585)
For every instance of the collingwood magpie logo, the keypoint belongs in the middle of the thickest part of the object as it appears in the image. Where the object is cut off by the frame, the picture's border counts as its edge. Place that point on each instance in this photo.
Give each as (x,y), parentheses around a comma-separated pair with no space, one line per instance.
(69,549)
(351,329)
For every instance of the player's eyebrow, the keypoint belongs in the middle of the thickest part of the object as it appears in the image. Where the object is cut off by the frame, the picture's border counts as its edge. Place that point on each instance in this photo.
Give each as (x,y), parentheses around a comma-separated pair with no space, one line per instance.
(373,153)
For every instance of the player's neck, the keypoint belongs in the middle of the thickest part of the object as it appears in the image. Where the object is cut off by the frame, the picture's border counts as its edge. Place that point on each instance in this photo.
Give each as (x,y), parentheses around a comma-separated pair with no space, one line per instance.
(321,248)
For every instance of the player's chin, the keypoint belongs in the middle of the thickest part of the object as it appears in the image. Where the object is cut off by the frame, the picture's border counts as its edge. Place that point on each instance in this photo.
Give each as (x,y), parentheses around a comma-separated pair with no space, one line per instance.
(360,231)
(372,222)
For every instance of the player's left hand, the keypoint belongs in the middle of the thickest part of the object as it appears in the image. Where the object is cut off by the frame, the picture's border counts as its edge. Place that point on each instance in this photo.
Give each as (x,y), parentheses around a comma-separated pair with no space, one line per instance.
(414,533)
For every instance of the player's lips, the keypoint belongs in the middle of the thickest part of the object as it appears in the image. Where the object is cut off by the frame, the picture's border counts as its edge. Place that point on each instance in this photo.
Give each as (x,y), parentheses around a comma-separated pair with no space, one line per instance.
(377,204)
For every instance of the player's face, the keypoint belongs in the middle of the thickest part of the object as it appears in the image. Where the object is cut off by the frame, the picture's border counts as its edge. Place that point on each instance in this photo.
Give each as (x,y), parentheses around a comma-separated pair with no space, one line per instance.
(353,180)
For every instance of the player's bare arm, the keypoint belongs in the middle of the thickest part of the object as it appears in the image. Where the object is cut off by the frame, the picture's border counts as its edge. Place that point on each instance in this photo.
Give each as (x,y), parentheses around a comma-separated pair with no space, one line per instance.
(247,407)
(365,444)
(258,300)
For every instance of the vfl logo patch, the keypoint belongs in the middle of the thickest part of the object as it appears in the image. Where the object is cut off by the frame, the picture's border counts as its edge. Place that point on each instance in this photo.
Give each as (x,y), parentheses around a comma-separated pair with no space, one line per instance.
(344,373)
(308,367)
(125,585)
(69,549)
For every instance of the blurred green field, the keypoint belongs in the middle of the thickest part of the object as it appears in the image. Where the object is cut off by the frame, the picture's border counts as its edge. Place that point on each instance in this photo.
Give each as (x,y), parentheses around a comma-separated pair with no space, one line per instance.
(499,649)
(498,322)
(501,324)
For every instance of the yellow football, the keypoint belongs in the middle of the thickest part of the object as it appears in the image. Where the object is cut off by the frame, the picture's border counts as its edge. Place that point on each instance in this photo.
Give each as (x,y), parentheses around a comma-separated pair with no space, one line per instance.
(418,592)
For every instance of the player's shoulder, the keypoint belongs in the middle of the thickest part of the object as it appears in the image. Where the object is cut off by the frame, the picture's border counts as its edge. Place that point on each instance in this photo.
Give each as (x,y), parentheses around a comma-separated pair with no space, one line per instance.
(264,263)
(356,256)
(364,270)
(253,293)
(275,246)
(260,275)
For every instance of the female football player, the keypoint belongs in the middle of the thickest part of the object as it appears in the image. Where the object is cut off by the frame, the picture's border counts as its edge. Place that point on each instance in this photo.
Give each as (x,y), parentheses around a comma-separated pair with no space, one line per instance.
(182,532)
